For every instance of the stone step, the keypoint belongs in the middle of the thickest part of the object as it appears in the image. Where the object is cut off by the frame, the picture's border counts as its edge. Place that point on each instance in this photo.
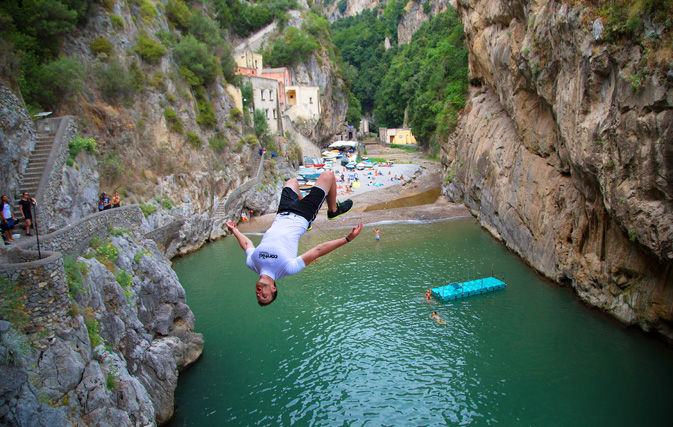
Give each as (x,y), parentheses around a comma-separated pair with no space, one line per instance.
(30,174)
(42,148)
(30,183)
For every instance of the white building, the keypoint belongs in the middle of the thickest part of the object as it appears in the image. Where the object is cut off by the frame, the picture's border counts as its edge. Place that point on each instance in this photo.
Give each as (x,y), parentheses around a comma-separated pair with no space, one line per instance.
(265,98)
(303,102)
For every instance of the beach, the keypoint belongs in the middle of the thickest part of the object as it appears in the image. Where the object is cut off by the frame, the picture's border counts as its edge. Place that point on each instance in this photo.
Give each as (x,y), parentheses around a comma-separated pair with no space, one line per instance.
(414,198)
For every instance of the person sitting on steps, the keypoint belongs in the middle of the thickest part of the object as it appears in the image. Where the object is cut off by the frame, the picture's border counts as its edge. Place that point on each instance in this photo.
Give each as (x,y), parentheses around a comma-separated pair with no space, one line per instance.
(276,255)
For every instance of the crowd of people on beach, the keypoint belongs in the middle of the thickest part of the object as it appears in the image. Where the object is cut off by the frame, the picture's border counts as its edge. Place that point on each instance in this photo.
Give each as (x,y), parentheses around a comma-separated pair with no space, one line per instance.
(9,221)
(106,202)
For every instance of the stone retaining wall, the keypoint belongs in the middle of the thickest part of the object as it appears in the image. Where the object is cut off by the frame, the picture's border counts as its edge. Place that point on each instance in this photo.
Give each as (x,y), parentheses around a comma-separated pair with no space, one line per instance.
(74,239)
(44,289)
(64,129)
(42,281)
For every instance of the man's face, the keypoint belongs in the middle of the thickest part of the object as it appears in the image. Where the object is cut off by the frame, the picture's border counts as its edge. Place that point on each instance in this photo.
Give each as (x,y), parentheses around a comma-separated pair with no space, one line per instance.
(264,292)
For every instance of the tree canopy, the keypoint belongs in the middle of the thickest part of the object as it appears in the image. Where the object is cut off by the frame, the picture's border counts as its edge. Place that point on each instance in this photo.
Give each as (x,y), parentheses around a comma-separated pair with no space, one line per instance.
(424,80)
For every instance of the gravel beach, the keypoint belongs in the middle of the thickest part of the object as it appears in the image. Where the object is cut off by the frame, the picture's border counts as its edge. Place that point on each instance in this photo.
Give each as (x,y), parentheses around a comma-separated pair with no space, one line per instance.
(416,197)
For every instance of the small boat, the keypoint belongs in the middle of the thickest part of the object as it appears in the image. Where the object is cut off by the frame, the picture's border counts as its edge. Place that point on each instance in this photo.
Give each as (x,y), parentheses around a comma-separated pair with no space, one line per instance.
(313,162)
(368,164)
(351,165)
(360,166)
(310,173)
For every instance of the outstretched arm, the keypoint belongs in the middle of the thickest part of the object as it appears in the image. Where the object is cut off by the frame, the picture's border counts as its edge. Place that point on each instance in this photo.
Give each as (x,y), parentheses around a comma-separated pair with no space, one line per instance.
(242,240)
(327,247)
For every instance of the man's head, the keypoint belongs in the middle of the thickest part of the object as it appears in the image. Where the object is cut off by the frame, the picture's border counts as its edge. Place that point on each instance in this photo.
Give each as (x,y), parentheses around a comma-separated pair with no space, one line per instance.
(265,290)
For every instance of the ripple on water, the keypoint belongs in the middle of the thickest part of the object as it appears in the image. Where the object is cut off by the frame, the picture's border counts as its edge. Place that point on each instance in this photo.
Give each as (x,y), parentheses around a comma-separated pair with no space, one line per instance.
(350,342)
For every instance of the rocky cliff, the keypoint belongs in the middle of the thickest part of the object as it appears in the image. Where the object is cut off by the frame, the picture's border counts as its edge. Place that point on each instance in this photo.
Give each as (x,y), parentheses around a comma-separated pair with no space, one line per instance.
(565,152)
(116,360)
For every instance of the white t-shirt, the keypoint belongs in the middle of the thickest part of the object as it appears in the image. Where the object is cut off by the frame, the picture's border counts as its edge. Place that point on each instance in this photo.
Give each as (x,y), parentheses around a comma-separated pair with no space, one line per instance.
(7,211)
(276,256)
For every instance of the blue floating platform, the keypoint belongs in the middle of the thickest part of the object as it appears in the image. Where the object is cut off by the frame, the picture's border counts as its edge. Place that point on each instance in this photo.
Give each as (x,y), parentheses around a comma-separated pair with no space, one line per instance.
(466,289)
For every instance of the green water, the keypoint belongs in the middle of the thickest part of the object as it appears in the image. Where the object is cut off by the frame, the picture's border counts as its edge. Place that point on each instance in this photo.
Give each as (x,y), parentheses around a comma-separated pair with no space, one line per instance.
(350,342)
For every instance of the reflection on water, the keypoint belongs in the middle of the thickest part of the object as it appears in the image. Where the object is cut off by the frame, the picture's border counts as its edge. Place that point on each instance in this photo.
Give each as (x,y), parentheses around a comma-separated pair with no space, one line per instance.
(350,341)
(424,198)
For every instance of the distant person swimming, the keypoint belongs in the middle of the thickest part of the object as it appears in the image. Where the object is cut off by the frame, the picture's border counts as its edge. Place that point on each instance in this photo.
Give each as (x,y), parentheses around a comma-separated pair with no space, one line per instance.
(377,235)
(436,317)
(276,256)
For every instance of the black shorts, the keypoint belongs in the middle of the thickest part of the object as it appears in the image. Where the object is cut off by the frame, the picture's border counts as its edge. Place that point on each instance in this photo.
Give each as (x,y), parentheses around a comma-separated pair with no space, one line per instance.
(306,208)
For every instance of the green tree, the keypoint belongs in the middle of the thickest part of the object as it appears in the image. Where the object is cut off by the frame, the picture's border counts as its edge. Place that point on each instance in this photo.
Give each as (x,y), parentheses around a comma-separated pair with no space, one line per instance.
(178,14)
(427,78)
(53,81)
(194,56)
(261,126)
(293,48)
(353,115)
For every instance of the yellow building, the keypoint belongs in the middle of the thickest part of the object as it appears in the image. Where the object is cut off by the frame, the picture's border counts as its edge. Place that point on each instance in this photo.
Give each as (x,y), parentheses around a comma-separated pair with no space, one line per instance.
(397,136)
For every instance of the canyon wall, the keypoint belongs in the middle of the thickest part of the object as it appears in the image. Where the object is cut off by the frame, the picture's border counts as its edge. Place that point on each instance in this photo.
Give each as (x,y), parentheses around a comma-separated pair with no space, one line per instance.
(566,157)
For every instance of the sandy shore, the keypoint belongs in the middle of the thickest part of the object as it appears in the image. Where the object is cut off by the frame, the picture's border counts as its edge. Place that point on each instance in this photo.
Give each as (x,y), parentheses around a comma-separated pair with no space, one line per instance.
(393,201)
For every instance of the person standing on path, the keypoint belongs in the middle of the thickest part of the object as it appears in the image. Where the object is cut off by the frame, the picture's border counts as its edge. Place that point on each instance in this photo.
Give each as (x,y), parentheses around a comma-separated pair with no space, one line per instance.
(276,255)
(25,205)
(8,219)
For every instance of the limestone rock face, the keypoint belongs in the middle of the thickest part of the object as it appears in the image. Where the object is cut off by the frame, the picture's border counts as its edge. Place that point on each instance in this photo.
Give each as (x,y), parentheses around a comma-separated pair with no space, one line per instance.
(116,361)
(414,17)
(562,158)
(78,194)
(17,139)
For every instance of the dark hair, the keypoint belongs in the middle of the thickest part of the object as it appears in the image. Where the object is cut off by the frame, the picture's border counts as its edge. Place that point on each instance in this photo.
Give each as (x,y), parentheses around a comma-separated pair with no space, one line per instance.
(273,298)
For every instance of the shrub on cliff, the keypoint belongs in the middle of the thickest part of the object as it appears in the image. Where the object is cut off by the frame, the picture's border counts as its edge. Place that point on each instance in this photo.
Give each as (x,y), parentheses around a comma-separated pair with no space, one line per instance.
(206,115)
(114,81)
(178,13)
(195,57)
(293,48)
(78,144)
(101,45)
(148,49)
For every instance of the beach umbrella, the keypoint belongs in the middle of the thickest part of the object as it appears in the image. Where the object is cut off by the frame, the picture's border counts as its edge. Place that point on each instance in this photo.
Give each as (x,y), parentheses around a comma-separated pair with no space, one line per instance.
(343,144)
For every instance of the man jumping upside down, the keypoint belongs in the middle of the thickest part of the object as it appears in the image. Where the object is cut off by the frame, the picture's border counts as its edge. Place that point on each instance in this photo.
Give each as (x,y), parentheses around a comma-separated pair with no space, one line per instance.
(276,255)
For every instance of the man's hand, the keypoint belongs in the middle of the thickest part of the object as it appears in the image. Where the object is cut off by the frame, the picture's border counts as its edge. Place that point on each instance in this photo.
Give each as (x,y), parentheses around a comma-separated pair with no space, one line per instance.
(242,240)
(327,247)
(355,231)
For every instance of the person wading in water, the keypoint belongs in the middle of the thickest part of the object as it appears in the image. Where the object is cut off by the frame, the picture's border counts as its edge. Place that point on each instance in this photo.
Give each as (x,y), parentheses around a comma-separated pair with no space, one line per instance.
(276,256)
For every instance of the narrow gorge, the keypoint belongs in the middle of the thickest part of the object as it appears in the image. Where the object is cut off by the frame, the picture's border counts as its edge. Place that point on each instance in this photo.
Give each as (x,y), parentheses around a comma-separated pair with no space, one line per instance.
(567,157)
(563,152)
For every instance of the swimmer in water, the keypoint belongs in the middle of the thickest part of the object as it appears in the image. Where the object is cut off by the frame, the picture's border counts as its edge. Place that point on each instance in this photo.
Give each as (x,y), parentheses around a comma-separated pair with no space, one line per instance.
(377,234)
(437,318)
(428,295)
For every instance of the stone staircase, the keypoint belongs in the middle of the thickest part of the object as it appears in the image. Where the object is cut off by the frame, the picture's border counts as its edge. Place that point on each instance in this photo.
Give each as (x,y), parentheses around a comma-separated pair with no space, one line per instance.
(30,180)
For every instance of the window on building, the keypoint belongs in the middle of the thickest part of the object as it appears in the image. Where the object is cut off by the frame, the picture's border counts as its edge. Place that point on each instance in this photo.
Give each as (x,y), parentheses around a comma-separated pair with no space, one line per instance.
(310,100)
(274,113)
(270,94)
(267,114)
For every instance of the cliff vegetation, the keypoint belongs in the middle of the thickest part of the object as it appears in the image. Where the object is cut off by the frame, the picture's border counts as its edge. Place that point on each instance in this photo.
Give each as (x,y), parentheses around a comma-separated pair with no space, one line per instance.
(421,84)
